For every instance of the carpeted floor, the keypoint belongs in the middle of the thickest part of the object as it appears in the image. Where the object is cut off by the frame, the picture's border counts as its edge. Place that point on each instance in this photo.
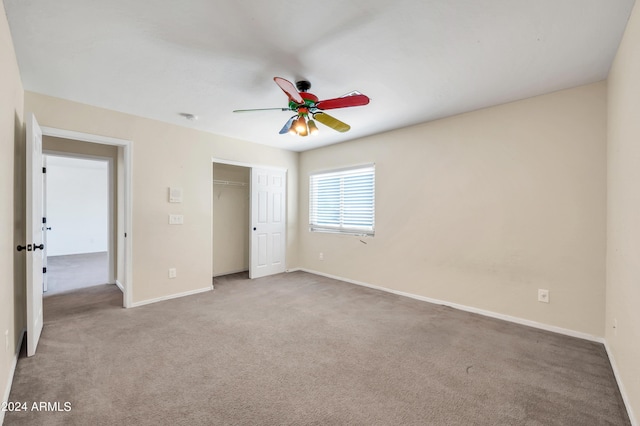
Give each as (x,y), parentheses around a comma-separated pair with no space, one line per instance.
(75,271)
(298,349)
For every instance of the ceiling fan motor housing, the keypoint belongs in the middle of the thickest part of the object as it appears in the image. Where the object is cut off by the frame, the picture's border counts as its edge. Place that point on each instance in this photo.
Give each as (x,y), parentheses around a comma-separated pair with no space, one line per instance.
(303,85)
(310,100)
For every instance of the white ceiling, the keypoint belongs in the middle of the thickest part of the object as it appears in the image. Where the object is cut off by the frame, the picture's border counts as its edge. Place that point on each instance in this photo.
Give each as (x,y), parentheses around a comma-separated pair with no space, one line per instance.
(418,60)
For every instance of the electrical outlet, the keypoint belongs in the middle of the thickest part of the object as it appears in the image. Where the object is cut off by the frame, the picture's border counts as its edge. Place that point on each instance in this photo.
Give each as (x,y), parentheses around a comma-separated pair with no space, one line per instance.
(321,256)
(543,295)
(172,272)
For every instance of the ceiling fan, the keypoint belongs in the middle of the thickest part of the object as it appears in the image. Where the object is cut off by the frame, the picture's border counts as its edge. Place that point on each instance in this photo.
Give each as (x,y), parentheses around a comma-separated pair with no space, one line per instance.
(308,108)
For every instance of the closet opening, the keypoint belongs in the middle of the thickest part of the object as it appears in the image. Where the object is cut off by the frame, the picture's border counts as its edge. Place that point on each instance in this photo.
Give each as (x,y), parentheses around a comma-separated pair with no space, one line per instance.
(231,219)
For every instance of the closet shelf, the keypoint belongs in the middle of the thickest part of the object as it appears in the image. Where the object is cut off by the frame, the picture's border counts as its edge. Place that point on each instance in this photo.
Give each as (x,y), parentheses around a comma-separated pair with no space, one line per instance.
(228,182)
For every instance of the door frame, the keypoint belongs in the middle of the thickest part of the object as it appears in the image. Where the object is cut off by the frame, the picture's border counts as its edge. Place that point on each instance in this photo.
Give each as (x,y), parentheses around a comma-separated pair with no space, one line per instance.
(124,238)
(250,166)
(45,280)
(111,196)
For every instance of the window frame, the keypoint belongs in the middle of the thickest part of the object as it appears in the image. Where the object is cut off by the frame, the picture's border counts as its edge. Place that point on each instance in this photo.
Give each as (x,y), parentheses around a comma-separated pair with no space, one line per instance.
(340,228)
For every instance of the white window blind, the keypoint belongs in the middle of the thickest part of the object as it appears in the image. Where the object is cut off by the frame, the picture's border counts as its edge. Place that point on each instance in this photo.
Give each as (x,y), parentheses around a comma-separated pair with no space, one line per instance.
(343,201)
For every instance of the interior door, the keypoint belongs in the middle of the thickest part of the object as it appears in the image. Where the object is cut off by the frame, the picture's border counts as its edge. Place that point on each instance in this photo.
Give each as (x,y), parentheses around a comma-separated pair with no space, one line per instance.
(268,222)
(34,226)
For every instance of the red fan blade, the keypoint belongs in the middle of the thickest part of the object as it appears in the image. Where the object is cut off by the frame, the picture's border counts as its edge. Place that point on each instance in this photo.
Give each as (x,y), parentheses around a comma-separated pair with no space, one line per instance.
(347,101)
(332,122)
(288,88)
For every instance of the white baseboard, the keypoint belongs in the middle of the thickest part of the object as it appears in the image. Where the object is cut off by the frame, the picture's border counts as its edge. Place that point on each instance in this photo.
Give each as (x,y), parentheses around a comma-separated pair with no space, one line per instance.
(471,309)
(120,286)
(623,392)
(12,372)
(172,296)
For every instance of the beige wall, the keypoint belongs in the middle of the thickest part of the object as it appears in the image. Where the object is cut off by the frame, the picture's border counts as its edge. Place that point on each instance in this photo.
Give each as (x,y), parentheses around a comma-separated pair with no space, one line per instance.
(482,209)
(230,220)
(50,143)
(623,214)
(166,155)
(12,263)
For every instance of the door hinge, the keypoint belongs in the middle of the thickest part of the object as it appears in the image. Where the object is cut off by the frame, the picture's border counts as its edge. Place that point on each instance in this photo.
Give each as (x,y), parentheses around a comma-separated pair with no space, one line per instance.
(44,170)
(44,270)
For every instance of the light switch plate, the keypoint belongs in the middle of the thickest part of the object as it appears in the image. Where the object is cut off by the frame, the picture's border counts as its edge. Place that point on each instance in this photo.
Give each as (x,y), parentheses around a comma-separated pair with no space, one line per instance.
(176,219)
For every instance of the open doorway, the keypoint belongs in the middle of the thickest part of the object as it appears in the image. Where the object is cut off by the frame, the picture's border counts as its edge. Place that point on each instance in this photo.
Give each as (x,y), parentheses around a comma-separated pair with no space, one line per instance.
(230,219)
(79,210)
(117,153)
(35,218)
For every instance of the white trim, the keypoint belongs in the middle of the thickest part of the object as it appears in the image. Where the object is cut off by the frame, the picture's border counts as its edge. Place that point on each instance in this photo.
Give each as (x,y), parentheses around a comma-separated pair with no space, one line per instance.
(112,189)
(120,286)
(127,159)
(343,169)
(623,392)
(85,137)
(54,153)
(172,296)
(125,147)
(12,372)
(243,164)
(516,320)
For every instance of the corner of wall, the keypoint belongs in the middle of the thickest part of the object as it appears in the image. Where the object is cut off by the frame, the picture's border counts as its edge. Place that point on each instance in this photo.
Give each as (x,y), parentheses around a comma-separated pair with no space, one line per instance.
(623,210)
(12,316)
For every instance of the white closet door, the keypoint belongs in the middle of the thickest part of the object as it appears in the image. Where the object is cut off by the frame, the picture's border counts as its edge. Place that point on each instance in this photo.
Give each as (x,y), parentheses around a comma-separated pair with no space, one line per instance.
(268,222)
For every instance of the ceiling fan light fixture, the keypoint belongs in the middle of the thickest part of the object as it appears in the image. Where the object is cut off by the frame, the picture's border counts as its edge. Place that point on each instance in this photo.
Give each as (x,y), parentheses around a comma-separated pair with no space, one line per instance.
(301,126)
(313,129)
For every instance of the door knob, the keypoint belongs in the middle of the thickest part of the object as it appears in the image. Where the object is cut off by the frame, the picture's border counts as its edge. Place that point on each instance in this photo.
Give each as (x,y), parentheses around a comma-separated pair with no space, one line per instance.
(35,247)
(20,248)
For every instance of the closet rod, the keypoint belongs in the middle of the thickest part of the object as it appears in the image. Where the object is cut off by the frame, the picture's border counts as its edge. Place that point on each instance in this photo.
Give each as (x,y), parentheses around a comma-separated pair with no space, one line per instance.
(228,182)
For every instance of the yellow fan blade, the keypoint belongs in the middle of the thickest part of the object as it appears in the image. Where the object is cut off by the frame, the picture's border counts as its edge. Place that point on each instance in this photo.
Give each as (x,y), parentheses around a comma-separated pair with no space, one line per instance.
(332,122)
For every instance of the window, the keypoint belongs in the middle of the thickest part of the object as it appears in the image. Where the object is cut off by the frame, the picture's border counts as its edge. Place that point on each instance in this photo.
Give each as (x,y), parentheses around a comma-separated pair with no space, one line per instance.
(343,201)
